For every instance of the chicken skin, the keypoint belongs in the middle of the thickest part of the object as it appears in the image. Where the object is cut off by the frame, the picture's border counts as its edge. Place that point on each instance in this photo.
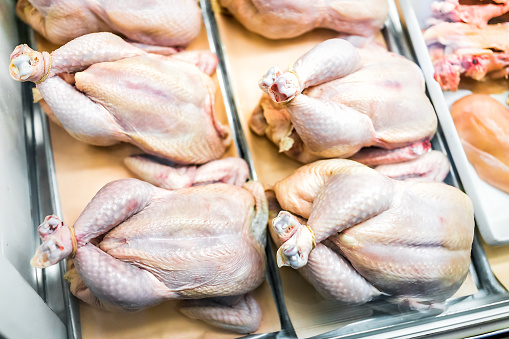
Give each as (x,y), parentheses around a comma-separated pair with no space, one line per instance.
(136,245)
(291,18)
(116,92)
(152,22)
(339,101)
(355,234)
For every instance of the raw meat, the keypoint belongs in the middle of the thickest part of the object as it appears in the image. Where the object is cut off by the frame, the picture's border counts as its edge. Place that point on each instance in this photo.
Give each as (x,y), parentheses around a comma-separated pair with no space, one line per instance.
(281,19)
(114,91)
(461,49)
(338,101)
(153,22)
(373,235)
(476,13)
(483,127)
(136,245)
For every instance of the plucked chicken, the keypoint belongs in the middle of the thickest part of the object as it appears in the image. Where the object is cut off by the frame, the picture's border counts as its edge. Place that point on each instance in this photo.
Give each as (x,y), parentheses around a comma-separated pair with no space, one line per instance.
(291,18)
(339,101)
(152,22)
(483,127)
(356,234)
(104,90)
(475,12)
(136,245)
(461,49)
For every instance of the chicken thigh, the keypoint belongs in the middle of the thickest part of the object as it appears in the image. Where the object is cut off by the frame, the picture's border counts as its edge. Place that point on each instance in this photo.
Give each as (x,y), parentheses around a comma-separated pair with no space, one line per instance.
(153,22)
(354,234)
(119,92)
(136,245)
(291,18)
(339,101)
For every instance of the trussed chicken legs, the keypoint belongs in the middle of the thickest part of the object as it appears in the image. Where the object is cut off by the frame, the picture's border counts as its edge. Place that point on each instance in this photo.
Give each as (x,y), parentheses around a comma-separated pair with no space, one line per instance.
(205,242)
(338,101)
(373,234)
(162,104)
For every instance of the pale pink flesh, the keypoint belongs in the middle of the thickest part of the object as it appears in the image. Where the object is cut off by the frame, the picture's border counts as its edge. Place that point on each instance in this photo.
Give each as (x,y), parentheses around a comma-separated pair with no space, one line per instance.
(432,166)
(380,231)
(480,14)
(459,48)
(281,19)
(382,103)
(334,278)
(122,93)
(157,23)
(239,314)
(378,156)
(329,60)
(199,242)
(117,283)
(233,171)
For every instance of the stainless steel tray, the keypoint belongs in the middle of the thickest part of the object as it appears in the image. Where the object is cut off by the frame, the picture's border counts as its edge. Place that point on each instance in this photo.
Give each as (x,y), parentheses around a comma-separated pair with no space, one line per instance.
(484,311)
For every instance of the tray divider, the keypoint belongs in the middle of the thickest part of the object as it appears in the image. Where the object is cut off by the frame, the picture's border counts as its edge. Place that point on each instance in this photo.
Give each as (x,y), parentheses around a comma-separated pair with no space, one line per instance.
(239,139)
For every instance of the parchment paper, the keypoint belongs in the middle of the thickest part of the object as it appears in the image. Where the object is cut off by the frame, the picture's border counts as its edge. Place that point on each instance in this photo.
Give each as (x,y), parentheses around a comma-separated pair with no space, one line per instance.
(82,170)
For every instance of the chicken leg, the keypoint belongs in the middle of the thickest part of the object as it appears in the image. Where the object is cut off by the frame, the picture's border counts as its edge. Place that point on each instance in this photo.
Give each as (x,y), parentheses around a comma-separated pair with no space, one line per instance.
(162,104)
(408,240)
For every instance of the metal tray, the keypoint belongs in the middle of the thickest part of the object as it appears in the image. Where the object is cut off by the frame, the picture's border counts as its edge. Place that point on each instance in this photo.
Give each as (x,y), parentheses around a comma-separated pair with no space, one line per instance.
(487,310)
(380,318)
(490,204)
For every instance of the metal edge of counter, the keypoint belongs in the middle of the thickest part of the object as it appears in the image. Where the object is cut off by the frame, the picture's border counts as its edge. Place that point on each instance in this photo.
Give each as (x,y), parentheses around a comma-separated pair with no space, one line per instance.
(51,286)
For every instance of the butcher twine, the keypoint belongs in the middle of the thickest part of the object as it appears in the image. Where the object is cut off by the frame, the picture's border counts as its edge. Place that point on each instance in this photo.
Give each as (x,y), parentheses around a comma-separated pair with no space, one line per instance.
(45,76)
(291,70)
(74,241)
(312,236)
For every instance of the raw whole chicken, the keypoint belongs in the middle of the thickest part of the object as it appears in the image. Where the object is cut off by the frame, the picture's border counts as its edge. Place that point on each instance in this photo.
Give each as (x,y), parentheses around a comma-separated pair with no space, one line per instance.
(483,127)
(136,245)
(461,49)
(338,101)
(356,234)
(152,22)
(476,12)
(114,91)
(281,19)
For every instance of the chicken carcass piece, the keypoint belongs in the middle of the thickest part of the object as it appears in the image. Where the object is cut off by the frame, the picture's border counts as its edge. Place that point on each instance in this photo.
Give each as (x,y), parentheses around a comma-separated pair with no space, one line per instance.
(461,49)
(204,243)
(483,127)
(337,101)
(281,19)
(162,104)
(476,13)
(233,171)
(153,22)
(373,235)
